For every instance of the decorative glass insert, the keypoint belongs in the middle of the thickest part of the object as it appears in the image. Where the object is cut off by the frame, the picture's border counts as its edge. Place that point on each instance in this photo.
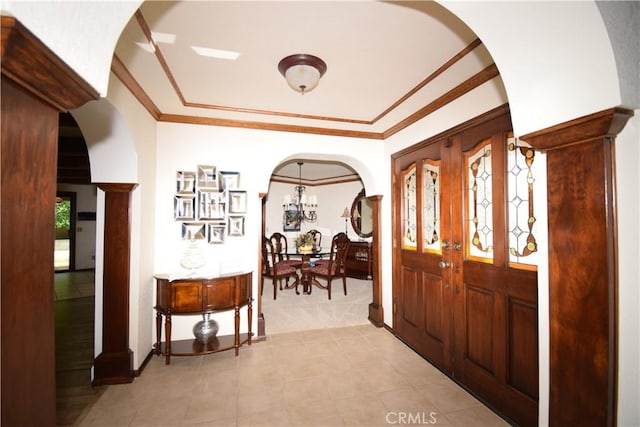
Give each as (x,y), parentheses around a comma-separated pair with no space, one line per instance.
(431,206)
(409,220)
(479,215)
(523,247)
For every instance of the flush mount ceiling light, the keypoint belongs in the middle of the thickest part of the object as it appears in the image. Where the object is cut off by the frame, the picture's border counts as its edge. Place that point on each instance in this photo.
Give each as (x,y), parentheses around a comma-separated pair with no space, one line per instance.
(302,71)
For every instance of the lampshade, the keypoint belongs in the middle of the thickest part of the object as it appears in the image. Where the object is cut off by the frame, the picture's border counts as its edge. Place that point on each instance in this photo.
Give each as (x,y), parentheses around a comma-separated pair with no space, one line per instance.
(302,71)
(345,213)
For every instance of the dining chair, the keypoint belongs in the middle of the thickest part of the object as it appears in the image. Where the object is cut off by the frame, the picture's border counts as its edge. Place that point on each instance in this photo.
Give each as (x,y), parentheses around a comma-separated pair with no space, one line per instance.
(317,238)
(273,269)
(334,267)
(281,249)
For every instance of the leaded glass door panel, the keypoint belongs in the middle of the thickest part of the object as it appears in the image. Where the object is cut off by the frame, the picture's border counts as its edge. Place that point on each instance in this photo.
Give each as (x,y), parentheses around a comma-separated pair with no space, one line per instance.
(422,315)
(465,283)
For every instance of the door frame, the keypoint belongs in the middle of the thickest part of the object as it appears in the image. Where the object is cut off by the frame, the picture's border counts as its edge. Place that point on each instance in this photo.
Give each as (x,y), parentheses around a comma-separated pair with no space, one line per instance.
(72,196)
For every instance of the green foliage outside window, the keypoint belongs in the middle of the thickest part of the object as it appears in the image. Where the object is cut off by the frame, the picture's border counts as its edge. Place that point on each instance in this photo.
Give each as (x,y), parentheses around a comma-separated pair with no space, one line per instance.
(63,214)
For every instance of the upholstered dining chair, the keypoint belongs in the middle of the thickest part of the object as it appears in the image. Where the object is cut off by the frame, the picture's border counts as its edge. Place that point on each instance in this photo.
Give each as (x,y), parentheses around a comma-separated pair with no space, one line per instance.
(281,248)
(273,269)
(317,238)
(334,267)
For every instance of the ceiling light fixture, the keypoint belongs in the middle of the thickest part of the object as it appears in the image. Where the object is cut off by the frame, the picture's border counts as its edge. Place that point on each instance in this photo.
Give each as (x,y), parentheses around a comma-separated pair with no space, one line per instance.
(302,71)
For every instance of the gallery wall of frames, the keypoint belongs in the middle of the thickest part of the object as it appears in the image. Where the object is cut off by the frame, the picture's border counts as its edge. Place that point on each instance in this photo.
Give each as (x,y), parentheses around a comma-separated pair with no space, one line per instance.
(210,204)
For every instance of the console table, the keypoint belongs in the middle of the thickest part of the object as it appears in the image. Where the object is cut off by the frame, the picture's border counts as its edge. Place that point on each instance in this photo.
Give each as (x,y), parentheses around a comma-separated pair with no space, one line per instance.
(199,295)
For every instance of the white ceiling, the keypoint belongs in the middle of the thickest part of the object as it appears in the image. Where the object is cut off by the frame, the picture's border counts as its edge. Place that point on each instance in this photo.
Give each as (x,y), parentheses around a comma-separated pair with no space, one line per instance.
(377,55)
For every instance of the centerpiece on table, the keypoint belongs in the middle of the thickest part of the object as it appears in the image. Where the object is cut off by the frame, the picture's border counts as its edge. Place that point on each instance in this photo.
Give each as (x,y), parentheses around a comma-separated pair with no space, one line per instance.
(304,243)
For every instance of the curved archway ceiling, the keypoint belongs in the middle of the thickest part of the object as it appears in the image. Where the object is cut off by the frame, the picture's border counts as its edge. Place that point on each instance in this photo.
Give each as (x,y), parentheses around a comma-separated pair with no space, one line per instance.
(215,62)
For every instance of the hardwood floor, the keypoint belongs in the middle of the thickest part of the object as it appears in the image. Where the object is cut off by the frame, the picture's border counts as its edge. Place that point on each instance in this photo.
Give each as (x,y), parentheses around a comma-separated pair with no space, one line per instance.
(74,331)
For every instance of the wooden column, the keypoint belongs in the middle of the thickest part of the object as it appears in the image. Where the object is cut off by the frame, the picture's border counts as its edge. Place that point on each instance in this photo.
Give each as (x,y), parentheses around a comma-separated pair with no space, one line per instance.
(582,267)
(115,364)
(376,314)
(36,87)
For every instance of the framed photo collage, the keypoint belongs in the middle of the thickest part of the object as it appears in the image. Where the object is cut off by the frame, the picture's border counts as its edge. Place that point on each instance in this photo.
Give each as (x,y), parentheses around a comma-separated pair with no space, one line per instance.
(210,204)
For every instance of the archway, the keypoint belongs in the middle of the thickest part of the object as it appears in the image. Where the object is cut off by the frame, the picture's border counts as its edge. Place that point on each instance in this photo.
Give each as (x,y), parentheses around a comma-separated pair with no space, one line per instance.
(272,218)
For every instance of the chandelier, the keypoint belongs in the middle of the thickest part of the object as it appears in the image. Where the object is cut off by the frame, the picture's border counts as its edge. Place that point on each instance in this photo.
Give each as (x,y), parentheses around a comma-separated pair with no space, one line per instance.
(300,208)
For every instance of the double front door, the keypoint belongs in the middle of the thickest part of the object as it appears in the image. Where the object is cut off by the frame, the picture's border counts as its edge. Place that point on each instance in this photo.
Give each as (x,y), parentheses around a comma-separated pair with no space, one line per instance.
(465,254)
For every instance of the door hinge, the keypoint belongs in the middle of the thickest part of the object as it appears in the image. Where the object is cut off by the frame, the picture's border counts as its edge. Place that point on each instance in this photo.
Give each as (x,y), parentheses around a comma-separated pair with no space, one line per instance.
(395,308)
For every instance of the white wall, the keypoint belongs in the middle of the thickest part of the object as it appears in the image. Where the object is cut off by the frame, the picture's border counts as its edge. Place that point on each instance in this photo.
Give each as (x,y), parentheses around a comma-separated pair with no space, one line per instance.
(628,210)
(254,154)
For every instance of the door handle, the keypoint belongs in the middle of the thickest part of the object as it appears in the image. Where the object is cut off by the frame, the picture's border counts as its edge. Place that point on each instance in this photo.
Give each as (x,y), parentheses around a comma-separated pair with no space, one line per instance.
(457,246)
(445,245)
(444,264)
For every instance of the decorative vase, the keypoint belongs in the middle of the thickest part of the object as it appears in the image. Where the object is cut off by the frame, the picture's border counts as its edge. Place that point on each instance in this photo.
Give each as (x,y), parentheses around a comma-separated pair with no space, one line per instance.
(305,249)
(193,258)
(206,329)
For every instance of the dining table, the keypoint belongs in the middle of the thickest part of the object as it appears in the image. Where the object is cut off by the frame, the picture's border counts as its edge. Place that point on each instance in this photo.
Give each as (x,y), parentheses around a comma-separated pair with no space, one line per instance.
(308,261)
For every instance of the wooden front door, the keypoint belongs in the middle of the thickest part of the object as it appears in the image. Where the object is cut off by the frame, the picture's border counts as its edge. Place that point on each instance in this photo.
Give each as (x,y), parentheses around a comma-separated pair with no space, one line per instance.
(465,281)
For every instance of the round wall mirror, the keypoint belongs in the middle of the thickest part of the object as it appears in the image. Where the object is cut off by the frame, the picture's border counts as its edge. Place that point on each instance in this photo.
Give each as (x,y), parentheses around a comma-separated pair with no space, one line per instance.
(361,215)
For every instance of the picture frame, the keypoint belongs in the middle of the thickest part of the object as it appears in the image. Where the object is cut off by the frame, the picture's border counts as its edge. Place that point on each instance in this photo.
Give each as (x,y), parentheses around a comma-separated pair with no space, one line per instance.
(216,233)
(211,205)
(290,225)
(229,180)
(207,177)
(194,230)
(184,207)
(237,202)
(236,226)
(185,182)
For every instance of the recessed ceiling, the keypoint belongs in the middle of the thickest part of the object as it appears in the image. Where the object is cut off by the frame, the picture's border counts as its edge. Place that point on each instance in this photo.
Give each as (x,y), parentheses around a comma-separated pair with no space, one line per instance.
(314,172)
(388,63)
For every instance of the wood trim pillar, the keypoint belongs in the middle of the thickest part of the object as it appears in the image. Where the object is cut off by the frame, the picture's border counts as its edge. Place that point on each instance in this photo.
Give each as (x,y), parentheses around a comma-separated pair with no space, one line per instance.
(115,364)
(582,267)
(35,87)
(376,313)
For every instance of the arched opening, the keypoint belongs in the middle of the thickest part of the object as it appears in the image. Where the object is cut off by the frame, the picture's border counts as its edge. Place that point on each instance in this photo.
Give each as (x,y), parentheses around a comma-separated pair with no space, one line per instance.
(74,282)
(332,185)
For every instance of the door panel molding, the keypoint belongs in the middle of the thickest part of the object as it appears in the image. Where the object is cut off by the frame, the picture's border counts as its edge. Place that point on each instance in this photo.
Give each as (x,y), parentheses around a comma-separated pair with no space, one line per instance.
(474,310)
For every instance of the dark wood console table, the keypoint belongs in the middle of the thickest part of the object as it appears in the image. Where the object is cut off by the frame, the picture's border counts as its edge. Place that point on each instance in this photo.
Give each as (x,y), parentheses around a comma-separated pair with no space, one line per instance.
(198,295)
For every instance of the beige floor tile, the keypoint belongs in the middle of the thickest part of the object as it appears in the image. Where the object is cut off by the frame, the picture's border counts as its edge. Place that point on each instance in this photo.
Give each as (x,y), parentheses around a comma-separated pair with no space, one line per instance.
(168,413)
(301,392)
(274,418)
(478,416)
(302,367)
(362,410)
(263,398)
(315,413)
(407,400)
(352,375)
(211,405)
(449,397)
(347,384)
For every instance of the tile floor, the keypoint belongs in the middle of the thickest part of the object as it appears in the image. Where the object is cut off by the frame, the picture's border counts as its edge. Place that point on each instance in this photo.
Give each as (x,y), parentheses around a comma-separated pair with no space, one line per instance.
(344,376)
(345,372)
(77,284)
